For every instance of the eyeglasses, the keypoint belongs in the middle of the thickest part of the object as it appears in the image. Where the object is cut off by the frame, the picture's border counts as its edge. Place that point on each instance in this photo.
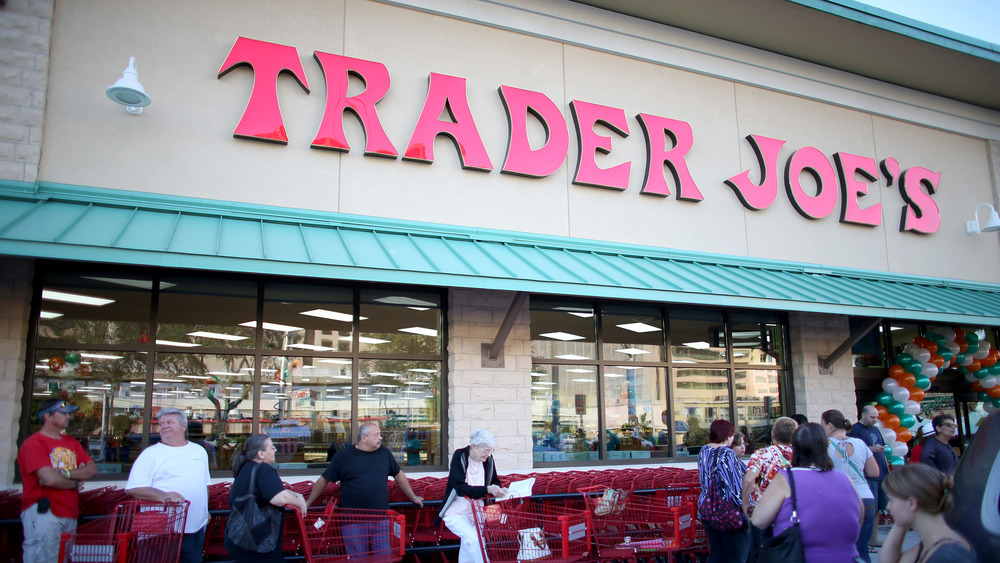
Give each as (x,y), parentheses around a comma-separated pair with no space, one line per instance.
(950,424)
(487,451)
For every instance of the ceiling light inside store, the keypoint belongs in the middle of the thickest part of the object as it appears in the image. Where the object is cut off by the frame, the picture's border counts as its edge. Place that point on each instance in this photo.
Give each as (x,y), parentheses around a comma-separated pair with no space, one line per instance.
(400,300)
(564,336)
(580,370)
(417,383)
(366,340)
(77,298)
(585,380)
(101,356)
(332,315)
(632,351)
(49,315)
(423,370)
(340,362)
(273,326)
(572,357)
(141,284)
(178,344)
(614,375)
(420,330)
(312,347)
(576,311)
(698,345)
(639,327)
(216,335)
(539,374)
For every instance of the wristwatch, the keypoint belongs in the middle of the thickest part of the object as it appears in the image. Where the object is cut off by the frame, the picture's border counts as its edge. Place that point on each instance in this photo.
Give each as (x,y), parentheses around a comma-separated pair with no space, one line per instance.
(65,473)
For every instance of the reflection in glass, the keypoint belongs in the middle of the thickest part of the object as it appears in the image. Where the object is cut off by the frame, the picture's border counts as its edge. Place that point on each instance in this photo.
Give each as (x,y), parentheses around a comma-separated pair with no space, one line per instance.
(564,412)
(757,404)
(757,339)
(404,397)
(94,308)
(109,389)
(868,351)
(563,330)
(308,317)
(697,337)
(700,396)
(400,321)
(901,334)
(207,312)
(635,402)
(632,334)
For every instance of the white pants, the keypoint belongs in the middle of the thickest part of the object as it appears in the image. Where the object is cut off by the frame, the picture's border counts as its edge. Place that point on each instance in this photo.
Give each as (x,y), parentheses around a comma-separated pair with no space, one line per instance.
(41,534)
(461,526)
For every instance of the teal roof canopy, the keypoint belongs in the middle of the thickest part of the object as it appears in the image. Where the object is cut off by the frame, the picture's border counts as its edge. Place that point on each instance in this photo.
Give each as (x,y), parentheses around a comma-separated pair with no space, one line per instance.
(113,226)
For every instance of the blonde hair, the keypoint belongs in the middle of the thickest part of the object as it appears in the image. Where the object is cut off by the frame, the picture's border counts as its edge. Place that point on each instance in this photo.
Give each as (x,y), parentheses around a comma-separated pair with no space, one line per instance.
(928,486)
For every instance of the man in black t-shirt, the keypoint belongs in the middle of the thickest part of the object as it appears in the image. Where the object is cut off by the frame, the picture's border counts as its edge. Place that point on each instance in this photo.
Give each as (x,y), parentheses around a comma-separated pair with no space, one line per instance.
(362,470)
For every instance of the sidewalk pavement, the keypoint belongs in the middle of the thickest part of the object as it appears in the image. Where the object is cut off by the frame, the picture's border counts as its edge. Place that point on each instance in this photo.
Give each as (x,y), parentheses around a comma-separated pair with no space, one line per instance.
(911,539)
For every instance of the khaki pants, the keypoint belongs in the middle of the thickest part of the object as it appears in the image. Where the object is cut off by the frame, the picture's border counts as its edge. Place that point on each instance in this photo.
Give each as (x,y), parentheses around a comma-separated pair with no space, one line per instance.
(41,534)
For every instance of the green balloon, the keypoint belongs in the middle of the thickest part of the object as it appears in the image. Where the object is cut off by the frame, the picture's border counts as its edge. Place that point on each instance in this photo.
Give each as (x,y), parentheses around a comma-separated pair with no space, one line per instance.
(884,399)
(945,353)
(915,368)
(906,420)
(923,383)
(959,358)
(72,358)
(983,396)
(894,460)
(996,402)
(971,338)
(982,373)
(903,358)
(972,349)
(897,409)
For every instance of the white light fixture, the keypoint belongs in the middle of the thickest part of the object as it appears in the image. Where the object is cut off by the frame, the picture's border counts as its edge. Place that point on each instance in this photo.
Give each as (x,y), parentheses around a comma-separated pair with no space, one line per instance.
(128,92)
(992,224)
(65,297)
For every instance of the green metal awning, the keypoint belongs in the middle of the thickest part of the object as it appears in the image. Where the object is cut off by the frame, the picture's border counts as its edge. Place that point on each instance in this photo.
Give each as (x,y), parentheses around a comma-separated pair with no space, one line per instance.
(122,227)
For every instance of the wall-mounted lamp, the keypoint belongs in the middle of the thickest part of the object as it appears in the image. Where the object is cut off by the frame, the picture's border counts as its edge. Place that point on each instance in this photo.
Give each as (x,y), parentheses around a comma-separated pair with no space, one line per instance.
(128,92)
(992,224)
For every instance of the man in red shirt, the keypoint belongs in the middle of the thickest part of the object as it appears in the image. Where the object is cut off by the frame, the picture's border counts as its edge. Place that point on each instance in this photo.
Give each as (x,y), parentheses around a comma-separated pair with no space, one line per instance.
(52,465)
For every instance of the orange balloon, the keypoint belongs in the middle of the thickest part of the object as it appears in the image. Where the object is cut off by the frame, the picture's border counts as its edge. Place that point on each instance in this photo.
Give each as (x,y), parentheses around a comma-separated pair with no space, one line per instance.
(932,347)
(976,386)
(974,366)
(962,346)
(916,394)
(959,335)
(908,380)
(988,361)
(904,434)
(896,371)
(891,421)
(993,392)
(937,360)
(882,411)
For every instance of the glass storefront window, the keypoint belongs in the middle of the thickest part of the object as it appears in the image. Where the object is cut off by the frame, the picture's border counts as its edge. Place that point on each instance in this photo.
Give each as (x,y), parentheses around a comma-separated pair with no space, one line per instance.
(901,334)
(697,337)
(400,322)
(867,352)
(207,312)
(404,397)
(632,334)
(308,317)
(564,412)
(94,308)
(757,339)
(757,404)
(563,330)
(635,402)
(700,396)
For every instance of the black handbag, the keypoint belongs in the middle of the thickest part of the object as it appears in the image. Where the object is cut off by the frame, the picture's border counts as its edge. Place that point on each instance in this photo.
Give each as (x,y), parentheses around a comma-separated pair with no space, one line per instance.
(786,547)
(250,526)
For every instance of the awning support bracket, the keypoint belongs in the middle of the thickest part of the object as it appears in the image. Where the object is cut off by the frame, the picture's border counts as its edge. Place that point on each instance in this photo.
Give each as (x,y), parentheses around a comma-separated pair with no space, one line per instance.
(827,362)
(492,357)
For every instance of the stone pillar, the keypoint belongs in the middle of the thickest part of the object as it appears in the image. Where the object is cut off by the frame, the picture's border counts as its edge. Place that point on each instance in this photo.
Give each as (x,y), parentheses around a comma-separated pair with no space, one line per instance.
(15,307)
(813,336)
(25,35)
(497,399)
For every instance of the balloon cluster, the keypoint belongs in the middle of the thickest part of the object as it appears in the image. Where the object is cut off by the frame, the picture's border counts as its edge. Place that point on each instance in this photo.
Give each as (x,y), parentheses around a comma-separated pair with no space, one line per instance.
(917,366)
(68,367)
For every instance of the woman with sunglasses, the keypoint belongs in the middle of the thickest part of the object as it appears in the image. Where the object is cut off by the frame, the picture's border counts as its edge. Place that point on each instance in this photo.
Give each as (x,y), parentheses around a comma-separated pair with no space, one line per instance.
(937,453)
(473,476)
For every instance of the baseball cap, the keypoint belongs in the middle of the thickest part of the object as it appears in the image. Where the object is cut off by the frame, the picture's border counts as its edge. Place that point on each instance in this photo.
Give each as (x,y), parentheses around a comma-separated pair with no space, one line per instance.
(49,405)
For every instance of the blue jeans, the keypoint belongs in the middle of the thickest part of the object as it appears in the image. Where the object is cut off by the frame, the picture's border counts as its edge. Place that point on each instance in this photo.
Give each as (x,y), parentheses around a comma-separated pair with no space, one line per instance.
(726,547)
(369,538)
(866,529)
(193,546)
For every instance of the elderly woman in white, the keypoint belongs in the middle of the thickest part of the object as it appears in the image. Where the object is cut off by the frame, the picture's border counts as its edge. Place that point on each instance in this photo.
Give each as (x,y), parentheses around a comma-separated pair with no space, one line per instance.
(473,475)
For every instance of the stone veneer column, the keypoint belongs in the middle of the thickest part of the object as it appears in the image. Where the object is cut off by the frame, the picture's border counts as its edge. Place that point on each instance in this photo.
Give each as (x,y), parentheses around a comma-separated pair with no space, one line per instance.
(497,399)
(25,35)
(812,336)
(15,306)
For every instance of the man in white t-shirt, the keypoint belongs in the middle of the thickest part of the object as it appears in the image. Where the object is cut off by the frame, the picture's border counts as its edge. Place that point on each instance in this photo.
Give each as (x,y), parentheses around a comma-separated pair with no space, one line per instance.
(175,470)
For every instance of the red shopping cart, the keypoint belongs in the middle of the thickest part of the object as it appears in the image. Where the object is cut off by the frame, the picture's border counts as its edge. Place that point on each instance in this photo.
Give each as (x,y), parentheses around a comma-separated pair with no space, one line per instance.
(628,526)
(136,532)
(351,534)
(521,530)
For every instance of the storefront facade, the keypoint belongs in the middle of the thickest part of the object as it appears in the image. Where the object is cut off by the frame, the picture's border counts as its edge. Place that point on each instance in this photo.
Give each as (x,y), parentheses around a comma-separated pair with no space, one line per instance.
(585,231)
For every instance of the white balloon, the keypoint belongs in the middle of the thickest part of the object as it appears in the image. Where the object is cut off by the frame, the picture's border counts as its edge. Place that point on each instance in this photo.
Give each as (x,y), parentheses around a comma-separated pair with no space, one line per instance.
(899,449)
(911,349)
(879,424)
(981,353)
(970,377)
(955,349)
(929,370)
(968,360)
(889,385)
(923,355)
(901,394)
(984,345)
(889,435)
(988,382)
(989,407)
(947,333)
(911,407)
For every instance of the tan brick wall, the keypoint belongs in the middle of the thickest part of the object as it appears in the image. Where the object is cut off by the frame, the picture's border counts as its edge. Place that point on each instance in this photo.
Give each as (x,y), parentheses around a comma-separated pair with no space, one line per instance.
(25,34)
(812,336)
(15,307)
(497,399)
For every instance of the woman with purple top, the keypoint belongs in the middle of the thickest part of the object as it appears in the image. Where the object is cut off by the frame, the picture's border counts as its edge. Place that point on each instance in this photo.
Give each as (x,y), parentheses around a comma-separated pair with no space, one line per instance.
(717,461)
(829,509)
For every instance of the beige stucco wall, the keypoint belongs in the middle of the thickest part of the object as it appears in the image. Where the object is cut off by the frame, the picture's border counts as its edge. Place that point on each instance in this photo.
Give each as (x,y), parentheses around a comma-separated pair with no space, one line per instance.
(183,143)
